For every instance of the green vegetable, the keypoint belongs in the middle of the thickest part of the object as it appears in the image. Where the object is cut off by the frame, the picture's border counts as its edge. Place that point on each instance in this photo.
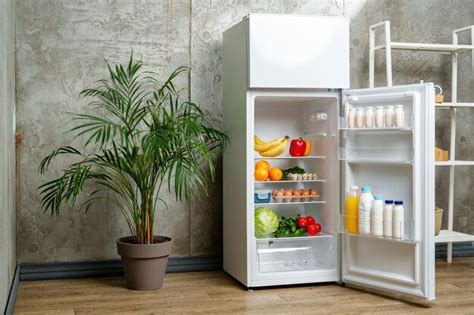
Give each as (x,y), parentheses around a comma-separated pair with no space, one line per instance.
(266,222)
(293,170)
(300,232)
(287,227)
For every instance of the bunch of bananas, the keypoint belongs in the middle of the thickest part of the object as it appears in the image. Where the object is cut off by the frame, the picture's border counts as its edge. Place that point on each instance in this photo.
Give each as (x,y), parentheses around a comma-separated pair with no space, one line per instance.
(271,148)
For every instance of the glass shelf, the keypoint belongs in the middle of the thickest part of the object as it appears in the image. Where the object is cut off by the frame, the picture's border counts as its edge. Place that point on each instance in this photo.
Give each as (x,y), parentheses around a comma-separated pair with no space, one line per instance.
(274,203)
(291,181)
(290,157)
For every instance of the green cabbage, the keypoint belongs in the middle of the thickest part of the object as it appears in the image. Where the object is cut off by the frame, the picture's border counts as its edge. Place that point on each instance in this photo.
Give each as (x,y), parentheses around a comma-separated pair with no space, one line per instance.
(266,222)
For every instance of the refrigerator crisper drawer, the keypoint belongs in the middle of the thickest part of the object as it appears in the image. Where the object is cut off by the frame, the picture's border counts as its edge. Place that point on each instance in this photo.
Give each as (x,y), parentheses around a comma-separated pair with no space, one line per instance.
(296,254)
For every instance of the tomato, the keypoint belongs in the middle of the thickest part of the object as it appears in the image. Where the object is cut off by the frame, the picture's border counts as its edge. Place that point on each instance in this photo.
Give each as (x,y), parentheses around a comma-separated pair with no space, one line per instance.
(301,222)
(297,147)
(310,220)
(313,229)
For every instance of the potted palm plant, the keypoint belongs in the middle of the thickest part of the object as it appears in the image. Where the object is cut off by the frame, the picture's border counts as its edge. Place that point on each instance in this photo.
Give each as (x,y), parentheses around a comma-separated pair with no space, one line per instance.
(139,138)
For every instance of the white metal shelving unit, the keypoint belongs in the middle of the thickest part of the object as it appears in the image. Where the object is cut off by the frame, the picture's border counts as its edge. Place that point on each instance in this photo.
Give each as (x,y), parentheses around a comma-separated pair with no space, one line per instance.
(446,236)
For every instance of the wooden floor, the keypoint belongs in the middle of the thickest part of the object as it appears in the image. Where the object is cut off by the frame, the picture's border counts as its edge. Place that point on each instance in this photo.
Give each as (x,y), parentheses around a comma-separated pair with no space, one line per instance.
(216,292)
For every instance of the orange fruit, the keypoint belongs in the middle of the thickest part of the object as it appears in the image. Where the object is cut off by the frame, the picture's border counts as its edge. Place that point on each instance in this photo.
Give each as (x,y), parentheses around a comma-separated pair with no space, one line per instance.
(263,164)
(261,174)
(275,173)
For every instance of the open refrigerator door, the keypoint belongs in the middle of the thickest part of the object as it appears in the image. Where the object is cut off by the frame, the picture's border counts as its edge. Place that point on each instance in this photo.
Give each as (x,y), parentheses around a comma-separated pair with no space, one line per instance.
(389,249)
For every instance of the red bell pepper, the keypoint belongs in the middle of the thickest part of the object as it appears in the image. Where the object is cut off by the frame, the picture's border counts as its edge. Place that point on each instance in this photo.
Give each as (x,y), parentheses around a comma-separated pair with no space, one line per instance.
(297,147)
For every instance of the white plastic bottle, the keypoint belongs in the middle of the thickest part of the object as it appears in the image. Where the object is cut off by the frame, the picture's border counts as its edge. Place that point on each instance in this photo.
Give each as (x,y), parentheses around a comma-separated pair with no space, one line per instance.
(351,118)
(399,116)
(379,117)
(365,205)
(369,117)
(387,218)
(398,218)
(360,117)
(376,219)
(389,116)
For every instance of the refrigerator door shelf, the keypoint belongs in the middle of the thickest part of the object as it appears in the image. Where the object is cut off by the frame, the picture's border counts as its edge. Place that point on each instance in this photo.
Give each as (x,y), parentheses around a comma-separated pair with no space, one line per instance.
(407,128)
(384,155)
(406,226)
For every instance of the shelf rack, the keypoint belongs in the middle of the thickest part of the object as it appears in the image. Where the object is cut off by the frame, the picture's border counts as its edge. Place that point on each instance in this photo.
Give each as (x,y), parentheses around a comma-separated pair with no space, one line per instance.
(446,236)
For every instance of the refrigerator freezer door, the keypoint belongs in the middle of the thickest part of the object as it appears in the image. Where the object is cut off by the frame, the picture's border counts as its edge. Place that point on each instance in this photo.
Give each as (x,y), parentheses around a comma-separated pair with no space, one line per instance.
(298,51)
(398,163)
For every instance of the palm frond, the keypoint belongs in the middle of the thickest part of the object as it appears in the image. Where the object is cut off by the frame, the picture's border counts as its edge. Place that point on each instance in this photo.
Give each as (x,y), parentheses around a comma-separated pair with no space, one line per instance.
(142,135)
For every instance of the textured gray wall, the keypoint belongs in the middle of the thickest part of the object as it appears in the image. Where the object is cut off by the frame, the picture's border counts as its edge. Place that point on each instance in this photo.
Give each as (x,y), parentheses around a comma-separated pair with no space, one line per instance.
(60,50)
(7,148)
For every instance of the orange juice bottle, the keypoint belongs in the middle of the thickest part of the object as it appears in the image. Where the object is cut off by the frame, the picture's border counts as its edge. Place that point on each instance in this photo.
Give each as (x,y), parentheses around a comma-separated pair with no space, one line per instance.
(352,210)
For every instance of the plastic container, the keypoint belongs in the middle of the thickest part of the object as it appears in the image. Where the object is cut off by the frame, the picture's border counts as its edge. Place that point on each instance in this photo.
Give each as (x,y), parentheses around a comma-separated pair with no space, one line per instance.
(360,118)
(262,196)
(387,218)
(369,117)
(399,116)
(398,220)
(379,117)
(352,210)
(389,116)
(376,219)
(351,118)
(296,254)
(365,205)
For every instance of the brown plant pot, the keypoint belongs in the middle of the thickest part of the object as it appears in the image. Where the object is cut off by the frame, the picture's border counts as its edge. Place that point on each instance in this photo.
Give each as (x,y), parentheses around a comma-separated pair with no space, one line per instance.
(144,265)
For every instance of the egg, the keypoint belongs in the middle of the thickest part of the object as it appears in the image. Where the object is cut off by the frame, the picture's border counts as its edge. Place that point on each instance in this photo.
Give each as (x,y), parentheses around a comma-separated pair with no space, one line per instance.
(313,192)
(288,193)
(279,193)
(305,193)
(296,193)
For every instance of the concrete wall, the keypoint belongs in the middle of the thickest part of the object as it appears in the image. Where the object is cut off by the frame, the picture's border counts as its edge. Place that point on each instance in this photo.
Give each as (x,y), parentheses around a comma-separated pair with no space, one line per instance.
(7,148)
(60,50)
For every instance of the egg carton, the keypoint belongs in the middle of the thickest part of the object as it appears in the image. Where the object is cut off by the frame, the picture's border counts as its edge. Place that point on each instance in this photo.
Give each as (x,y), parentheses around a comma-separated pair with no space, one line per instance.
(296,198)
(305,176)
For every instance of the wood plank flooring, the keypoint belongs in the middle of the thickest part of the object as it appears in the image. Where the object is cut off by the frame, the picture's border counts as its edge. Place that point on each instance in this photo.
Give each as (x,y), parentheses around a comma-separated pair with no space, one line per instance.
(218,293)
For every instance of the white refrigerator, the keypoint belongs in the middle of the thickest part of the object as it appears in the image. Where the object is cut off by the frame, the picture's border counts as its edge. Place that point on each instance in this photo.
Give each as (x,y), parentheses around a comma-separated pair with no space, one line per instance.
(280,71)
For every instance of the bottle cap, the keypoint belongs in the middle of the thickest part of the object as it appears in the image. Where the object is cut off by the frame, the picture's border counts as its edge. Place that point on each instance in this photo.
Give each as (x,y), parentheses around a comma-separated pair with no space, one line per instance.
(366,189)
(389,202)
(377,197)
(398,202)
(354,187)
